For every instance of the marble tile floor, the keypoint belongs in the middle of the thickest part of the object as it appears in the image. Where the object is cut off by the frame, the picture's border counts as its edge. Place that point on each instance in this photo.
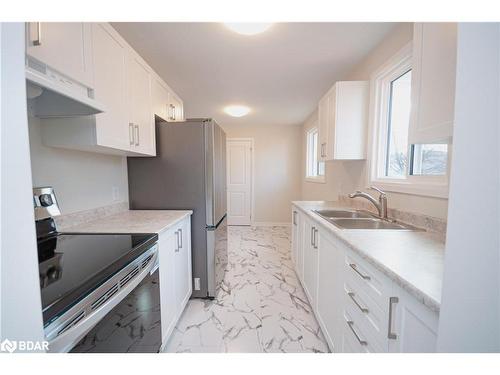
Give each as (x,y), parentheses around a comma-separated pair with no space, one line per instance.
(260,306)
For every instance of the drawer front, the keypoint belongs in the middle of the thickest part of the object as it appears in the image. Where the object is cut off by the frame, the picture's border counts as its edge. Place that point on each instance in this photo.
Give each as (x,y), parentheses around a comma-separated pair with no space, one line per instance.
(355,337)
(365,311)
(369,280)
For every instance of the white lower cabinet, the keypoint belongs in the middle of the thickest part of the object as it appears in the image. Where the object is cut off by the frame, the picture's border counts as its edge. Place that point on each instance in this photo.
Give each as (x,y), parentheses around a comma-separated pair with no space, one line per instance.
(414,326)
(297,253)
(330,262)
(175,275)
(358,308)
(310,254)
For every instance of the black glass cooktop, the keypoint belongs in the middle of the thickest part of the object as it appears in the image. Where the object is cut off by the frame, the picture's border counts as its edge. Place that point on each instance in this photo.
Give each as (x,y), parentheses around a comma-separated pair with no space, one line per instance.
(72,265)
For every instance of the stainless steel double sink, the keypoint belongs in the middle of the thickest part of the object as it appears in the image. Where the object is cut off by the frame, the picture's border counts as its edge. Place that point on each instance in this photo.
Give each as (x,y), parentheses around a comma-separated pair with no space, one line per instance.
(347,219)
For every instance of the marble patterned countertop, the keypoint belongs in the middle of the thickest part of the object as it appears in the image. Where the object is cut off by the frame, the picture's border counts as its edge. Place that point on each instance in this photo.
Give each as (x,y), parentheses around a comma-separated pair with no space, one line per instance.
(414,260)
(132,221)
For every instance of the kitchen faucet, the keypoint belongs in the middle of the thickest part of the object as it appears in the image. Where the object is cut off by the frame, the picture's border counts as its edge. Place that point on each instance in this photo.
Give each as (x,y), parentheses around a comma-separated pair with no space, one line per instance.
(381,204)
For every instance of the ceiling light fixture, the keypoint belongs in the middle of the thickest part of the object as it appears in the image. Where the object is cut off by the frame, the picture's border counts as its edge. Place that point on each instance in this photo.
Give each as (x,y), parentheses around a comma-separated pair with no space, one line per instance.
(237,110)
(247,28)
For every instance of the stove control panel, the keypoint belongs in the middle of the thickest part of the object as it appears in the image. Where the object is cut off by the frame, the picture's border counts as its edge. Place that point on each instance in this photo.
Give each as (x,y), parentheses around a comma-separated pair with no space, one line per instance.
(45,203)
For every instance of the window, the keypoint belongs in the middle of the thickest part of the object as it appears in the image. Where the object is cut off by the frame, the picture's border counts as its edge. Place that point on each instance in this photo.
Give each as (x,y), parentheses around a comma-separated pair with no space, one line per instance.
(315,169)
(396,161)
(395,164)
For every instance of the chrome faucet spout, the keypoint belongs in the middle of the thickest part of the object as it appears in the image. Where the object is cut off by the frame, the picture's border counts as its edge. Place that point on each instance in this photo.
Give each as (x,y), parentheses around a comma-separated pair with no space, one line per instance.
(380,204)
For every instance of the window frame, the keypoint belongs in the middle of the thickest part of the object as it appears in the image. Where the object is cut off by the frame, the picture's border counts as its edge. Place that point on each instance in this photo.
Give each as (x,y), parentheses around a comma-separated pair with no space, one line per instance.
(319,178)
(433,186)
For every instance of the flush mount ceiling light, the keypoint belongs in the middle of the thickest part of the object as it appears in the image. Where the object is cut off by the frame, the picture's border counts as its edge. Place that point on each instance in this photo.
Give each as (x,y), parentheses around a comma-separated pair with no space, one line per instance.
(237,110)
(248,28)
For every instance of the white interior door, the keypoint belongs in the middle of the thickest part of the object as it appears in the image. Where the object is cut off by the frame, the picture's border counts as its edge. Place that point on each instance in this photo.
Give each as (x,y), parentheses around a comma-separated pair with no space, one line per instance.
(239,181)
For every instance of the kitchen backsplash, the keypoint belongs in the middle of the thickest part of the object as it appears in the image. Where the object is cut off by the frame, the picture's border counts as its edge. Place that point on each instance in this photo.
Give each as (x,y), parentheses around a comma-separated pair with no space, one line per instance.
(76,218)
(429,223)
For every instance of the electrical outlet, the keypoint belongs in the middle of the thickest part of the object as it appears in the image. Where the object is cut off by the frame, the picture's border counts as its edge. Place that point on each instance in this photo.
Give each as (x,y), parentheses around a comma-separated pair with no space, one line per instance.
(116,193)
(197,285)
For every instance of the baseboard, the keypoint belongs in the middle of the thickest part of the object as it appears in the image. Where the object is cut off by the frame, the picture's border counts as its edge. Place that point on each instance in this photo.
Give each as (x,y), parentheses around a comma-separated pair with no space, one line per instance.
(270,224)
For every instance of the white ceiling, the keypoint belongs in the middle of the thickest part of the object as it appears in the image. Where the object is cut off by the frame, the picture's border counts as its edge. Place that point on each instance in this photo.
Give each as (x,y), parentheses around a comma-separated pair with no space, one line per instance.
(280,74)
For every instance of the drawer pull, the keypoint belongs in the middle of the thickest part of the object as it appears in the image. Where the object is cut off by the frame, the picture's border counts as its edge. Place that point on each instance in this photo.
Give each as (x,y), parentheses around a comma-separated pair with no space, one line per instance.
(350,323)
(352,295)
(355,268)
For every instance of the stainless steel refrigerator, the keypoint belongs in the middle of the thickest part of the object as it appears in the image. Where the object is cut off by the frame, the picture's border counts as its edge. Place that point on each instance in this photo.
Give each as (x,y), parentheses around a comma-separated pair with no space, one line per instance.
(189,172)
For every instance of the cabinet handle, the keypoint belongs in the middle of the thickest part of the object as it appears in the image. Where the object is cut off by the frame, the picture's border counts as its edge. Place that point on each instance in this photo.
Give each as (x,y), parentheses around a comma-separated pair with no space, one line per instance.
(315,238)
(131,133)
(177,238)
(322,150)
(352,295)
(38,40)
(350,323)
(390,334)
(312,236)
(355,268)
(137,132)
(172,112)
(180,238)
(294,220)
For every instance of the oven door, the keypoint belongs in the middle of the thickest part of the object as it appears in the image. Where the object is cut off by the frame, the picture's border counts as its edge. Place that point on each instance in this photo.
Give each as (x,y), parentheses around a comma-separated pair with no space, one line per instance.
(65,332)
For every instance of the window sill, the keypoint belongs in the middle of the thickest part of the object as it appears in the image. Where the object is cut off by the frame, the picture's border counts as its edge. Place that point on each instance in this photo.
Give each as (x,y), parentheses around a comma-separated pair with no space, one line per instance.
(436,190)
(317,180)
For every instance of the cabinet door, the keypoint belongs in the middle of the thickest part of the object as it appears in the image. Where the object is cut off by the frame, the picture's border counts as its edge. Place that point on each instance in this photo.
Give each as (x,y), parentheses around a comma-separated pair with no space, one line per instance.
(311,245)
(330,289)
(433,82)
(175,108)
(413,326)
(348,121)
(159,97)
(109,58)
(297,242)
(323,121)
(141,116)
(64,46)
(166,250)
(183,283)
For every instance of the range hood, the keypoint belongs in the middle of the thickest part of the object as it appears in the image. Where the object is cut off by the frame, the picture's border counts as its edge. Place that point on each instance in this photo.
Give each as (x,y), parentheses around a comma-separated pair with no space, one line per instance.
(51,94)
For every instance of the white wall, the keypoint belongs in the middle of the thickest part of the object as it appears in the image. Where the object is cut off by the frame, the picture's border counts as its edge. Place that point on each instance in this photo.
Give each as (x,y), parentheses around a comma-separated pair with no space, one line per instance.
(470,309)
(343,177)
(82,180)
(277,178)
(20,301)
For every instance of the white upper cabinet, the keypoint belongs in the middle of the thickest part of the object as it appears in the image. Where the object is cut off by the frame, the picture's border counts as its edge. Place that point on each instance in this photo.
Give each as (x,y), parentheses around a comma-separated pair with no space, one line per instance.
(141,117)
(433,82)
(324,108)
(343,115)
(175,108)
(110,87)
(166,104)
(159,97)
(123,82)
(64,46)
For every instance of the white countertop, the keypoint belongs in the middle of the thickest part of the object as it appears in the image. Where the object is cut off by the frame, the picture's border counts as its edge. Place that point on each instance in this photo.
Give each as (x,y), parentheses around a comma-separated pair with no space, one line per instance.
(132,221)
(414,260)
